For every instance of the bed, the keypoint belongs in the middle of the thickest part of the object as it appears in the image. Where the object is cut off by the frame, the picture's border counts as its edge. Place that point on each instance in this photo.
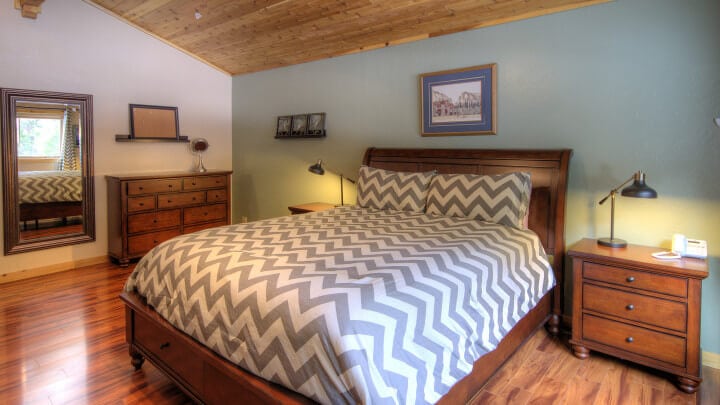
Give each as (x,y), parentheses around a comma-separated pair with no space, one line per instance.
(49,194)
(338,244)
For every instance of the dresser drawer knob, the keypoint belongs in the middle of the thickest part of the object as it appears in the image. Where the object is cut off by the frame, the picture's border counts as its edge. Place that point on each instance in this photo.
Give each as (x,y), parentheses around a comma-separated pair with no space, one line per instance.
(142,204)
(630,307)
(164,345)
(629,339)
(630,279)
(169,201)
(154,221)
(155,241)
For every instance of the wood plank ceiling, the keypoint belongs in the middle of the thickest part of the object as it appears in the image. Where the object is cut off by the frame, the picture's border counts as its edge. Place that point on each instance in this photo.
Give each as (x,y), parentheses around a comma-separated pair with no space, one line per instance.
(243,36)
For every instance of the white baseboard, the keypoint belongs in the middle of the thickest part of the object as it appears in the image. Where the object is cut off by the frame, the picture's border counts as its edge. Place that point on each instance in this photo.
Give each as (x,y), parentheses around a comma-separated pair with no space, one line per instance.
(711,359)
(53,268)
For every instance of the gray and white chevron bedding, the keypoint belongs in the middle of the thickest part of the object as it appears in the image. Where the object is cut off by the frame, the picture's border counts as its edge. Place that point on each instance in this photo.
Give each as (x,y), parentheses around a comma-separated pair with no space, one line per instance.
(350,305)
(49,186)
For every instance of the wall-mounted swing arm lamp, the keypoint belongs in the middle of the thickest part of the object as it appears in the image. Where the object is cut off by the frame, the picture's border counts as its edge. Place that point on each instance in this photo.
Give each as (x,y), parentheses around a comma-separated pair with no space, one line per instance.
(637,189)
(318,168)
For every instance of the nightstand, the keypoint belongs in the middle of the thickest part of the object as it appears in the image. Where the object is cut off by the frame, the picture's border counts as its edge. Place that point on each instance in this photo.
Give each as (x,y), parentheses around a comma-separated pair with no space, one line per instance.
(630,305)
(310,207)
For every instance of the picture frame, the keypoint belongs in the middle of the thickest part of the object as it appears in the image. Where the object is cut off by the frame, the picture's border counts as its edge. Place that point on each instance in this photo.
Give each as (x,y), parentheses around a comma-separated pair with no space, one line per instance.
(316,124)
(459,101)
(299,125)
(284,124)
(154,122)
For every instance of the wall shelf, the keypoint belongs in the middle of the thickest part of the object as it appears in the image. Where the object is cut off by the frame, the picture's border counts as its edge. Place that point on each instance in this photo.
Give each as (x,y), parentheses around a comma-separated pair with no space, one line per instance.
(128,138)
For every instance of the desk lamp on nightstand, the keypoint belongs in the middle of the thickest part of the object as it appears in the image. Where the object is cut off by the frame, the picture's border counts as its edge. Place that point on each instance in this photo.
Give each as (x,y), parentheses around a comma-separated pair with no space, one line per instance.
(318,168)
(637,189)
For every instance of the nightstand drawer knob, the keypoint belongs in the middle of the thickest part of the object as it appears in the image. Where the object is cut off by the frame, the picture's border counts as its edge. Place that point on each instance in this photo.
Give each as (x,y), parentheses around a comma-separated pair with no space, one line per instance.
(630,307)
(630,279)
(629,339)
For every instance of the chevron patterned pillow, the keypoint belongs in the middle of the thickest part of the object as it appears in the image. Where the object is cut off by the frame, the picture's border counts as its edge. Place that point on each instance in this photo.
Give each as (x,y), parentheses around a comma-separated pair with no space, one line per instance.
(502,199)
(388,190)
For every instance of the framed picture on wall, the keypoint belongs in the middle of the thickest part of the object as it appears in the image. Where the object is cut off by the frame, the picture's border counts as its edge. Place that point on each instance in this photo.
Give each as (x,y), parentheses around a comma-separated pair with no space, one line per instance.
(283,126)
(154,122)
(316,124)
(299,125)
(459,101)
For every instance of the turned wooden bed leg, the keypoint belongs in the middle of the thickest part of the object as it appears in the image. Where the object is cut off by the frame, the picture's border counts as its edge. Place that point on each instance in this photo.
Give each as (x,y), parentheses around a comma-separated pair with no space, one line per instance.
(136,358)
(553,325)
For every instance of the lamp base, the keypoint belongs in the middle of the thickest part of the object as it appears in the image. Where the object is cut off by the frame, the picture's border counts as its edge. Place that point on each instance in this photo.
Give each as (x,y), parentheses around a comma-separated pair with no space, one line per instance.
(612,242)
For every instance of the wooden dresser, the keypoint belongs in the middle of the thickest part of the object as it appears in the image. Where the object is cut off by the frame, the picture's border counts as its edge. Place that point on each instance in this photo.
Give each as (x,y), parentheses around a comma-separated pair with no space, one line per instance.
(147,209)
(630,305)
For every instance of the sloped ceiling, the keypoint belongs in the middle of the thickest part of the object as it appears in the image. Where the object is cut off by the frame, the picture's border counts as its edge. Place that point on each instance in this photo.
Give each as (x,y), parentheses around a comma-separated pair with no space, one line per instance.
(243,36)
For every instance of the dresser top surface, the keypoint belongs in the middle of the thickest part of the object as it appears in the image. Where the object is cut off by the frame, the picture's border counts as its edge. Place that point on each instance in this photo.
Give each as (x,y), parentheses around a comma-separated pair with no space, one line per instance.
(638,255)
(168,174)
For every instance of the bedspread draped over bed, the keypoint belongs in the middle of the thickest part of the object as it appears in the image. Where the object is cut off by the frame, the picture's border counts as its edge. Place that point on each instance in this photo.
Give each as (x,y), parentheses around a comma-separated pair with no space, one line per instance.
(49,186)
(352,304)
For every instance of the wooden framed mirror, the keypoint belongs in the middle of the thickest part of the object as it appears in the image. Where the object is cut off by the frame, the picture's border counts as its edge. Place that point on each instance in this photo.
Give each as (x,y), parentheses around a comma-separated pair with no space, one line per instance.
(47,154)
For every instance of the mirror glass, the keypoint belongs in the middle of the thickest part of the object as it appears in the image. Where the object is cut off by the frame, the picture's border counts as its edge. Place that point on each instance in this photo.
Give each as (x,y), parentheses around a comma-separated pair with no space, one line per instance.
(48,197)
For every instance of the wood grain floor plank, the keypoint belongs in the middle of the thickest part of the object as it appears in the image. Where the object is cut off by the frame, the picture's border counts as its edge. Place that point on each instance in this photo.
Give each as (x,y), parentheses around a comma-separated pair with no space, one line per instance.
(62,341)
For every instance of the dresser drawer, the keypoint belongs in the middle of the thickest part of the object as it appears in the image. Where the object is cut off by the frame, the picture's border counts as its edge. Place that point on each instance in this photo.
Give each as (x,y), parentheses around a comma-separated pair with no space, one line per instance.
(180,199)
(636,307)
(656,345)
(153,186)
(203,182)
(636,279)
(153,220)
(143,203)
(141,244)
(200,227)
(212,212)
(170,350)
(217,195)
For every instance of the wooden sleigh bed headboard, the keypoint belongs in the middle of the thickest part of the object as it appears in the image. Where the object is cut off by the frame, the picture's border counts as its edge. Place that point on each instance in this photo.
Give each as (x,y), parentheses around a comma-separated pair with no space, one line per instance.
(548,170)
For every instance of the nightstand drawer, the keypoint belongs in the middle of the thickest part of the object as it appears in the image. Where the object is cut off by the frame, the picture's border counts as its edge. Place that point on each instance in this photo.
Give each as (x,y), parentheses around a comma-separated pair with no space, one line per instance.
(636,307)
(636,279)
(644,342)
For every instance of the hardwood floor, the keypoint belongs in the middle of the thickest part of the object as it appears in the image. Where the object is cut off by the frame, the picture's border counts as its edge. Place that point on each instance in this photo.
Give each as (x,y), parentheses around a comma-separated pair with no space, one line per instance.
(62,341)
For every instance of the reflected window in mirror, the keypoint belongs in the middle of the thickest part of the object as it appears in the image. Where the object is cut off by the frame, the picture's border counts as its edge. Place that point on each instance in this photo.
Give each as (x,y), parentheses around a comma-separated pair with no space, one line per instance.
(47,167)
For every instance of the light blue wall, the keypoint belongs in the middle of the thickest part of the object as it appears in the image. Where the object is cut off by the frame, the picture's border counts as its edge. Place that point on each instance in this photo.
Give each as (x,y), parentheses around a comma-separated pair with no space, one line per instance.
(628,85)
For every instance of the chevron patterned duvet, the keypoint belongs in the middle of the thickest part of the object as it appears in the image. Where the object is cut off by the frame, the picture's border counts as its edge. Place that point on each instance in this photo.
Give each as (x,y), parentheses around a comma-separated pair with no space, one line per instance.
(350,305)
(49,186)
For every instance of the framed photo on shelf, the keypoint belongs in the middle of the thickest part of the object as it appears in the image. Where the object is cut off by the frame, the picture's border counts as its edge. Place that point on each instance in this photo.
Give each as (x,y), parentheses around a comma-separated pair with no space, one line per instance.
(459,101)
(283,126)
(299,125)
(316,124)
(154,122)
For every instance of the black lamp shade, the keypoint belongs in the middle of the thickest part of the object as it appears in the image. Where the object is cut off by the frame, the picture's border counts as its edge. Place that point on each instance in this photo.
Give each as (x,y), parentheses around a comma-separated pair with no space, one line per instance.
(317,168)
(638,188)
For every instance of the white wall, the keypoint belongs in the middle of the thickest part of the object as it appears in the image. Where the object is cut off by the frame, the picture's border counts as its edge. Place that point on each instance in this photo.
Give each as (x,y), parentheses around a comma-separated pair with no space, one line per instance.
(74,47)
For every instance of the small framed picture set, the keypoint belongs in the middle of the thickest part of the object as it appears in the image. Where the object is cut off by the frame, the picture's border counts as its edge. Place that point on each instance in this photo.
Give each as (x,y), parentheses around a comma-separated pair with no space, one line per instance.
(316,124)
(283,126)
(299,125)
